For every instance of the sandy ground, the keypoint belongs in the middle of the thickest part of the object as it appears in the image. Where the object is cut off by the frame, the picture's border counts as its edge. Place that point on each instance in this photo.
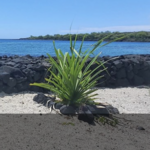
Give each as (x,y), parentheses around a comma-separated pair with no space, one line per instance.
(26,125)
(126,100)
(20,103)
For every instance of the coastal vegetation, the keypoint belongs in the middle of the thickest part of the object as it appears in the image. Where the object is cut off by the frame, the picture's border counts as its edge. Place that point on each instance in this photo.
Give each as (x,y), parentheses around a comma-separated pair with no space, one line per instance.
(73,82)
(70,78)
(141,36)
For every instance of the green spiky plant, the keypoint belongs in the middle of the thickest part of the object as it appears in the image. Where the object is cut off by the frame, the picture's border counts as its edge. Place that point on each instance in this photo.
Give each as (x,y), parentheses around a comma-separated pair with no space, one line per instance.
(71,79)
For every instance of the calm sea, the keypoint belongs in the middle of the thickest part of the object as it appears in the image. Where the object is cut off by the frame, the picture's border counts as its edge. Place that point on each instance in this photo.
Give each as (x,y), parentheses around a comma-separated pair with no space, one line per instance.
(42,47)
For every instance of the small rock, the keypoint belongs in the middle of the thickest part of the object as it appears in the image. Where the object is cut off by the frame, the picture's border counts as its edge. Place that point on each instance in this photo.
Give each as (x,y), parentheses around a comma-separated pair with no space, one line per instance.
(140,128)
(101,110)
(40,98)
(67,110)
(92,108)
(58,105)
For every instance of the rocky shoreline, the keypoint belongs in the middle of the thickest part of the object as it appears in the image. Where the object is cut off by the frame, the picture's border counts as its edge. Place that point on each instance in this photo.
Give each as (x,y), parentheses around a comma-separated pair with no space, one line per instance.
(17,72)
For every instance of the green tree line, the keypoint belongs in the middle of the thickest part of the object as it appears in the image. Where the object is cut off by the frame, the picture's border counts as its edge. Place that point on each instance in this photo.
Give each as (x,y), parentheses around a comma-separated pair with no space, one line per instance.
(141,36)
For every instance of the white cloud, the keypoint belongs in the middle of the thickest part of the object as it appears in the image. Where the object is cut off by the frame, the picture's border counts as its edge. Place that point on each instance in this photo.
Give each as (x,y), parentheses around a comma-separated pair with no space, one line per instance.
(113,29)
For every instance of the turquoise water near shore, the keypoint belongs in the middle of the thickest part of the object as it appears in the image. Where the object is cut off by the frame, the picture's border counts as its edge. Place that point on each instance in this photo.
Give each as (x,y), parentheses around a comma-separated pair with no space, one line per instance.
(41,47)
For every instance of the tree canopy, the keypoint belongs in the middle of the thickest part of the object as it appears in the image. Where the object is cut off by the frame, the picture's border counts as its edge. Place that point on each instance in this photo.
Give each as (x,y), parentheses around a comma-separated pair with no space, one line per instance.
(141,36)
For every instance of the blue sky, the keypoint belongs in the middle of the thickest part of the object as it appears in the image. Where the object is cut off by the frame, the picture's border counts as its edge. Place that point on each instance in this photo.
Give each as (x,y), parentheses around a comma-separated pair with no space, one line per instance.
(22,18)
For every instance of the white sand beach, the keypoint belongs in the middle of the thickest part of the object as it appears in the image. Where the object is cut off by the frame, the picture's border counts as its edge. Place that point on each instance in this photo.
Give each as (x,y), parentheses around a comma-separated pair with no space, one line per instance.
(126,100)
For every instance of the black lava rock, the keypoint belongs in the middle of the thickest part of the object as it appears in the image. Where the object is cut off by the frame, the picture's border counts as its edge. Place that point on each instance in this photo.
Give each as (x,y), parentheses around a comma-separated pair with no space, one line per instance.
(117,63)
(122,83)
(67,110)
(40,98)
(4,76)
(121,73)
(17,72)
(138,80)
(58,105)
(14,72)
(85,114)
(11,82)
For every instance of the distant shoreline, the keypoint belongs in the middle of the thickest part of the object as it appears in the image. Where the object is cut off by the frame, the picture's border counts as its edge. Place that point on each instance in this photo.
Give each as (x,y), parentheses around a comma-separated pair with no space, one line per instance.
(141,36)
(69,40)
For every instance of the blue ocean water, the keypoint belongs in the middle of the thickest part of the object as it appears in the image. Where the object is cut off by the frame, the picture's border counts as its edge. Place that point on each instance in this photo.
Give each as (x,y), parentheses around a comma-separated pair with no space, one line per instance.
(42,47)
